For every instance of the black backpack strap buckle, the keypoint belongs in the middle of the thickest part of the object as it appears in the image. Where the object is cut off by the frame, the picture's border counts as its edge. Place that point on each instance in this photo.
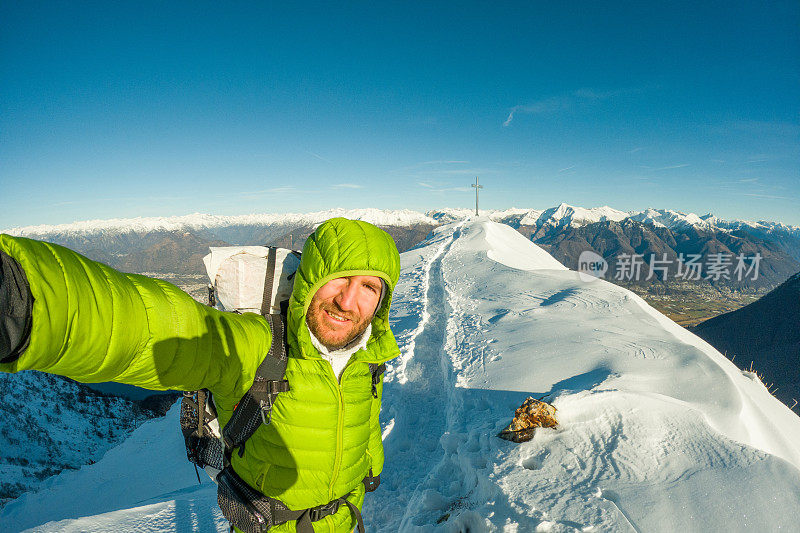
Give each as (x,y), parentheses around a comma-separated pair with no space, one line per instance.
(321,511)
(273,387)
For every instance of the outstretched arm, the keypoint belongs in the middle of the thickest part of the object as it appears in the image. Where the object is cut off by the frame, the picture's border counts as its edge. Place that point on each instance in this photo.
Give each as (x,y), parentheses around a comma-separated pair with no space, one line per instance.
(92,323)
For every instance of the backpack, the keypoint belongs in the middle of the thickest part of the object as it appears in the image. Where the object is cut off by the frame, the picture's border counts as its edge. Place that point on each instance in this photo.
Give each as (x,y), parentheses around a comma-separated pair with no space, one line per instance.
(255,279)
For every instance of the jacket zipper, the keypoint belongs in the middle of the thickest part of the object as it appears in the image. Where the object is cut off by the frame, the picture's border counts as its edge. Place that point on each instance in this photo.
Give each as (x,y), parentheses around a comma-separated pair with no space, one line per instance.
(337,463)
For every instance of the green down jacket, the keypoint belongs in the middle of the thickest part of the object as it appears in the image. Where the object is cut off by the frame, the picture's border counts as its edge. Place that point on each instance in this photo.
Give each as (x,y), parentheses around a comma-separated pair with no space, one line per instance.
(94,324)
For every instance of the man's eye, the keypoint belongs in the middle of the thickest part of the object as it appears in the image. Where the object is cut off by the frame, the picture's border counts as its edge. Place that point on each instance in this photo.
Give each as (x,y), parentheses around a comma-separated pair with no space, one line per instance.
(372,288)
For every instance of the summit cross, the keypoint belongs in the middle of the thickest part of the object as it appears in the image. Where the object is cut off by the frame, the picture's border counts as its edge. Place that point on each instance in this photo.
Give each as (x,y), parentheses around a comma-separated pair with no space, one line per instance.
(477,186)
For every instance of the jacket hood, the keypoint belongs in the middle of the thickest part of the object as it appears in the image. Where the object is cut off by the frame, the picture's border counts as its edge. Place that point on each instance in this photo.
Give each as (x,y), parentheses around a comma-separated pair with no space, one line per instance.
(341,247)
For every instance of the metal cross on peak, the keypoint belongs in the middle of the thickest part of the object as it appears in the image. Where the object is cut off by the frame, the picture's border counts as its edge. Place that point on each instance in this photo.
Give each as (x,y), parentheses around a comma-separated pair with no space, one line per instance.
(477,186)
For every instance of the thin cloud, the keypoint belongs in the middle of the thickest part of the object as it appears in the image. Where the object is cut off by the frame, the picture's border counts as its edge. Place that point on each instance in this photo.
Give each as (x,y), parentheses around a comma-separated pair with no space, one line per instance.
(423,165)
(168,198)
(770,196)
(465,171)
(347,186)
(443,162)
(441,174)
(670,167)
(566,169)
(440,188)
(591,94)
(748,180)
(318,156)
(274,190)
(548,105)
(763,128)
(555,104)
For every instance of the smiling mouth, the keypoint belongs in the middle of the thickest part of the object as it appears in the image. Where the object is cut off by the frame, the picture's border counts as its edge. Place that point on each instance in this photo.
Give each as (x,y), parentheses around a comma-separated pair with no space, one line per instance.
(337,318)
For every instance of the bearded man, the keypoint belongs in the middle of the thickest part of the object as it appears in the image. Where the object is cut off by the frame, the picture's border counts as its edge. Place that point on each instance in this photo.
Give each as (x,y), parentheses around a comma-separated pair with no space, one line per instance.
(65,314)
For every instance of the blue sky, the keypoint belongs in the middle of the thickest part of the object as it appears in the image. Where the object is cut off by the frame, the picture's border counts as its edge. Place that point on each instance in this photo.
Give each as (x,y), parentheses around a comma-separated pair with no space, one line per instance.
(112,109)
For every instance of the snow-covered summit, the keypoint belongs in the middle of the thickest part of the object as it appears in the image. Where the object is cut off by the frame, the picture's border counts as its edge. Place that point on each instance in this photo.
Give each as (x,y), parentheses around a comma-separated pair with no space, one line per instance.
(657,430)
(448,215)
(566,215)
(672,219)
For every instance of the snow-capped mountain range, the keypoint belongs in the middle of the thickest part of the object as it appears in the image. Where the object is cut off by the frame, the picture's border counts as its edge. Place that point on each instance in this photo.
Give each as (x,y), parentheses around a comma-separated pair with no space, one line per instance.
(657,432)
(558,216)
(200,221)
(175,245)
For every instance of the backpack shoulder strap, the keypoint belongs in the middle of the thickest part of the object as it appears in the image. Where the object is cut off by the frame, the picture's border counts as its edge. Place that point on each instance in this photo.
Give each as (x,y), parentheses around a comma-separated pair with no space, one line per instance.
(255,407)
(269,280)
(377,371)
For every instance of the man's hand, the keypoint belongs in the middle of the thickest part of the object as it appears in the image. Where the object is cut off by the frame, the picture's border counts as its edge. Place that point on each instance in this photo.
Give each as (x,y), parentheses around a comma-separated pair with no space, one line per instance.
(16,309)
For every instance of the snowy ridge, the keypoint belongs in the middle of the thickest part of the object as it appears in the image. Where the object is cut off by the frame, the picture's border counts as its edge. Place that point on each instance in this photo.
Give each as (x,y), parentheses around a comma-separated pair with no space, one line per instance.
(658,431)
(677,220)
(651,415)
(768,227)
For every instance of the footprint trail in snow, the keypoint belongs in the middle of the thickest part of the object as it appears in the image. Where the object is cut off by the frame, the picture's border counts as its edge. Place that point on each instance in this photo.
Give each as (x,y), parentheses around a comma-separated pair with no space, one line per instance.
(651,416)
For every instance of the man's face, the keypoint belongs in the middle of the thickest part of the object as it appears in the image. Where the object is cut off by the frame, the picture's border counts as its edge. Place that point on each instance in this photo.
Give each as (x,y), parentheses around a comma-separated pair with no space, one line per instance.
(342,309)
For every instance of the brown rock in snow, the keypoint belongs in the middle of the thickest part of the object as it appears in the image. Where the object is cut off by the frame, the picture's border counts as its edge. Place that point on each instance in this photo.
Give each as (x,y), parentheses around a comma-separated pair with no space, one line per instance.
(530,415)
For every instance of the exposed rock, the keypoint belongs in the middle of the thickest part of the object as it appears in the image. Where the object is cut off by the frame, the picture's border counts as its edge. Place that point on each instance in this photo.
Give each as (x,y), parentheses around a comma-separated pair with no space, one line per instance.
(530,415)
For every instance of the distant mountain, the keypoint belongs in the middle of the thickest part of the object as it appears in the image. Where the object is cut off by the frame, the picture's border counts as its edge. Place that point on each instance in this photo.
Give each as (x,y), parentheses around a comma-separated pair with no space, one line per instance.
(560,216)
(660,247)
(784,236)
(49,424)
(272,225)
(766,333)
(266,227)
(175,245)
(666,218)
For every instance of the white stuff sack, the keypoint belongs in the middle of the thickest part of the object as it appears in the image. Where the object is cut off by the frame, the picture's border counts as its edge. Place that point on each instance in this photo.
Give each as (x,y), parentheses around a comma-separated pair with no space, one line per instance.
(238,274)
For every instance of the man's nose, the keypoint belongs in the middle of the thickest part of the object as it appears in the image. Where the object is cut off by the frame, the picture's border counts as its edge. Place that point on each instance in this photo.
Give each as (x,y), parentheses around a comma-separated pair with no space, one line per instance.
(347,298)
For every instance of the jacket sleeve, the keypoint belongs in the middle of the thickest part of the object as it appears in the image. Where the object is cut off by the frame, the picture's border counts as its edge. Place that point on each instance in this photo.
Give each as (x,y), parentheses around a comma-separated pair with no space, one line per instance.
(93,324)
